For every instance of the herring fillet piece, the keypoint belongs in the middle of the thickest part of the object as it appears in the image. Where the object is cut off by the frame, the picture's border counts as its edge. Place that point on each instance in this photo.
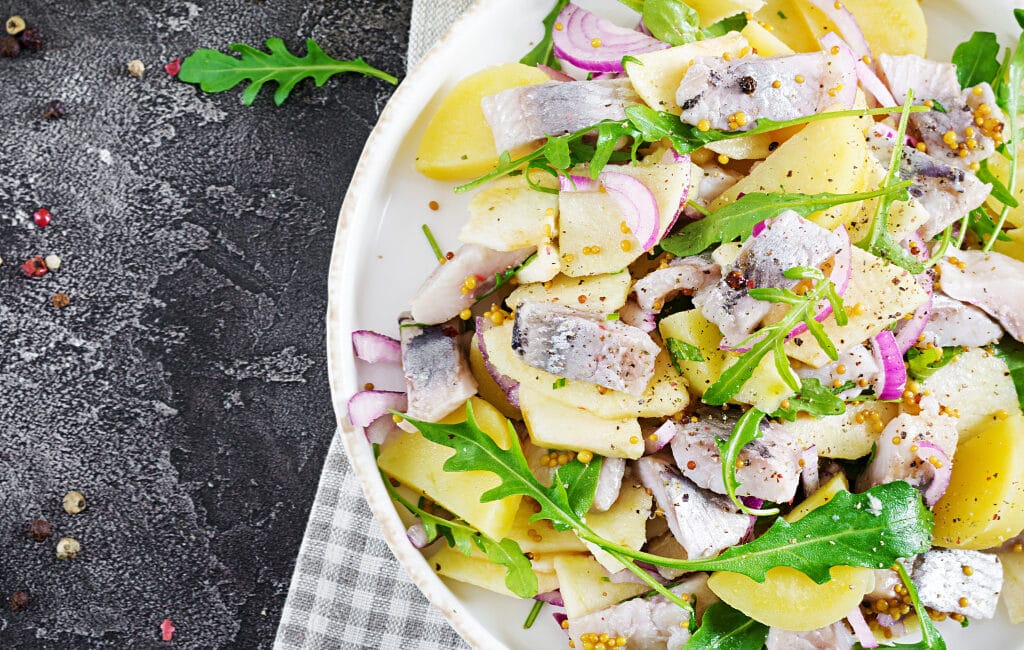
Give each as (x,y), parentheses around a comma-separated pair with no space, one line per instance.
(714,88)
(702,522)
(771,464)
(992,281)
(584,346)
(945,191)
(686,274)
(440,298)
(941,581)
(954,323)
(832,637)
(437,376)
(525,114)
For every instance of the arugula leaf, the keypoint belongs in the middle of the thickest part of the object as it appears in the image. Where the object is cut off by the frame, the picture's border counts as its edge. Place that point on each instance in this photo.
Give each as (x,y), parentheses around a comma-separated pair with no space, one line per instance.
(814,399)
(1012,352)
(937,106)
(216,72)
(983,226)
(737,219)
(977,59)
(930,637)
(999,190)
(747,430)
(1018,14)
(770,339)
(519,575)
(543,53)
(672,21)
(724,628)
(680,350)
(726,25)
(847,531)
(1014,79)
(923,363)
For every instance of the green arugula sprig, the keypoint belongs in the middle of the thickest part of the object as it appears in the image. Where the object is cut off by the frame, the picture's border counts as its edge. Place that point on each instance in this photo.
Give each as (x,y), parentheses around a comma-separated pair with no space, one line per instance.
(519,575)
(679,350)
(1014,79)
(643,125)
(672,21)
(923,363)
(216,72)
(724,628)
(1012,352)
(977,59)
(543,53)
(747,430)
(503,278)
(847,531)
(772,339)
(814,399)
(737,219)
(930,637)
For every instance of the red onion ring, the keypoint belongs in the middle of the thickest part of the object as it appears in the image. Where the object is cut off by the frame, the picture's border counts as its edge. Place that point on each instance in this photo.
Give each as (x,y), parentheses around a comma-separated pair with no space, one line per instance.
(556,75)
(374,347)
(639,207)
(674,157)
(551,598)
(892,375)
(417,535)
(576,31)
(939,475)
(846,24)
(662,436)
(369,409)
(865,636)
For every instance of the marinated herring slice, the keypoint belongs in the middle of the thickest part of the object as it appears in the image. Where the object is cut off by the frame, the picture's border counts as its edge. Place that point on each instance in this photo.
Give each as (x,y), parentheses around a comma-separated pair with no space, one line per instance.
(944,583)
(991,281)
(953,323)
(437,375)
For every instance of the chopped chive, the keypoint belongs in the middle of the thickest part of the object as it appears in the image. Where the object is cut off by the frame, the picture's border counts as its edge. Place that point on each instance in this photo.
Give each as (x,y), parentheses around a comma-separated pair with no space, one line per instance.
(612,316)
(698,207)
(534,612)
(559,383)
(781,15)
(433,243)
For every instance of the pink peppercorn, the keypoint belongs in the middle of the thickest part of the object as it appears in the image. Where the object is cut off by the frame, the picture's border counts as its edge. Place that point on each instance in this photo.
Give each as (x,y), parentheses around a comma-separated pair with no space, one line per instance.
(42,217)
(173,68)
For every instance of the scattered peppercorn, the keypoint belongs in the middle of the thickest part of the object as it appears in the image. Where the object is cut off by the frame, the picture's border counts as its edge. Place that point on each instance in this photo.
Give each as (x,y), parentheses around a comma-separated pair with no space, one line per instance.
(39,530)
(434,205)
(15,25)
(31,39)
(9,47)
(60,300)
(748,85)
(68,548)
(74,503)
(35,267)
(53,262)
(173,68)
(42,217)
(136,68)
(54,110)
(19,601)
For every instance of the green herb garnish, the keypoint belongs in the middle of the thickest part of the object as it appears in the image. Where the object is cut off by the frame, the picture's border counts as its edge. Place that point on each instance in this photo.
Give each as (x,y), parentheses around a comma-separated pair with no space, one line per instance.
(999,190)
(977,59)
(847,531)
(747,430)
(738,218)
(543,53)
(813,399)
(1014,79)
(923,363)
(503,278)
(672,21)
(438,253)
(724,26)
(724,628)
(559,383)
(216,72)
(930,637)
(679,350)
(771,339)
(937,106)
(531,618)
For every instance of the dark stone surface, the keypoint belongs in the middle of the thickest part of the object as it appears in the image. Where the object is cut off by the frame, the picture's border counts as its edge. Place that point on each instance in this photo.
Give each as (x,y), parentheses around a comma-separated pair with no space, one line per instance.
(184,390)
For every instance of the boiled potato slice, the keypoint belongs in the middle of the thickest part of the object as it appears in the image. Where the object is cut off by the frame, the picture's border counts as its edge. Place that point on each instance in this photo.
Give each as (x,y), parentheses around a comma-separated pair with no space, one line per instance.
(487,388)
(417,463)
(977,385)
(542,268)
(764,42)
(904,216)
(825,156)
(557,426)
(625,523)
(785,21)
(765,389)
(540,536)
(889,26)
(712,11)
(984,504)
(1012,594)
(665,395)
(508,214)
(1000,167)
(823,495)
(458,144)
(601,293)
(585,586)
(592,239)
(657,76)
(879,294)
(477,570)
(842,436)
(789,600)
(1013,248)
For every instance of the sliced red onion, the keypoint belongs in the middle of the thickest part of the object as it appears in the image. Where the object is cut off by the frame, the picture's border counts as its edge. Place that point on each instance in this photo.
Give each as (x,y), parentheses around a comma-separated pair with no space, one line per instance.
(369,409)
(754,504)
(551,598)
(560,620)
(378,431)
(892,376)
(374,347)
(897,627)
(908,331)
(865,636)
(662,436)
(417,535)
(636,200)
(940,476)
(846,24)
(842,270)
(577,31)
(759,228)
(844,61)
(507,385)
(883,130)
(556,75)
(809,477)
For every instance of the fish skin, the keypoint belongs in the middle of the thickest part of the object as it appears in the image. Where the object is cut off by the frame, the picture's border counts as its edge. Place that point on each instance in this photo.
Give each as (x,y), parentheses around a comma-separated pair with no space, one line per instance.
(955,323)
(704,523)
(526,114)
(715,88)
(437,376)
(584,346)
(771,464)
(683,274)
(992,281)
(941,581)
(440,298)
(946,192)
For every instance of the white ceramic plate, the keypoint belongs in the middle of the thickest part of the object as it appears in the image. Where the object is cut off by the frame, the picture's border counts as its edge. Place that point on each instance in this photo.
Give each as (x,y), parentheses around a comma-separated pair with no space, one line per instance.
(381,257)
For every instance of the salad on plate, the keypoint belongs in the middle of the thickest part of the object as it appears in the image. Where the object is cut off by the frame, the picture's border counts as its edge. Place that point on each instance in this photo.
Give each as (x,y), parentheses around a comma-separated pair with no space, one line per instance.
(729,353)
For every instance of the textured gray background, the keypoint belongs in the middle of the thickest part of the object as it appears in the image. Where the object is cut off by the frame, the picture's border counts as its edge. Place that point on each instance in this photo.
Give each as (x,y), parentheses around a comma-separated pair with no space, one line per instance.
(184,391)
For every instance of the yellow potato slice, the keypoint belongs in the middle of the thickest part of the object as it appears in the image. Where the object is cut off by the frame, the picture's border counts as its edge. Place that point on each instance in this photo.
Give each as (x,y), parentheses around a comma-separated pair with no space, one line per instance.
(477,570)
(585,586)
(458,144)
(889,26)
(785,21)
(556,426)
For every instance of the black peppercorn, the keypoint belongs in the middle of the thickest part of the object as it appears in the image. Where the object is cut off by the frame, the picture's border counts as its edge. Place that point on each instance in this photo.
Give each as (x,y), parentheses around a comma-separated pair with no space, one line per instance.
(39,530)
(9,47)
(31,39)
(19,601)
(54,110)
(748,85)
